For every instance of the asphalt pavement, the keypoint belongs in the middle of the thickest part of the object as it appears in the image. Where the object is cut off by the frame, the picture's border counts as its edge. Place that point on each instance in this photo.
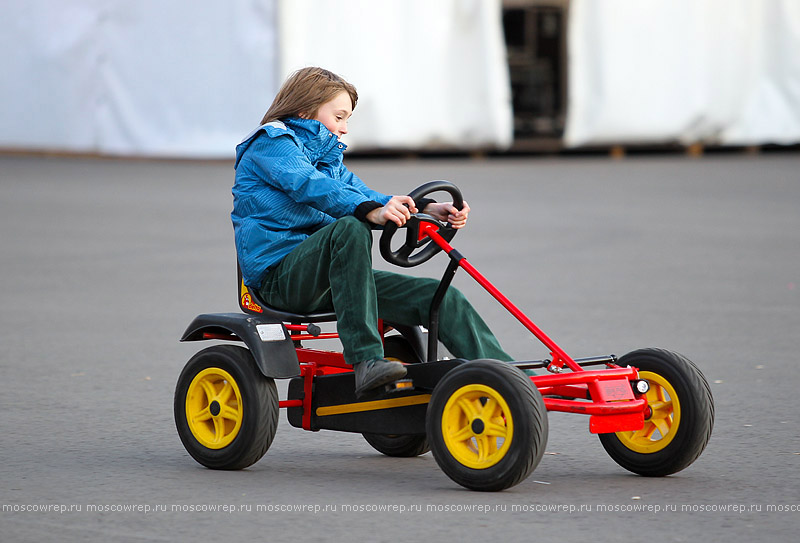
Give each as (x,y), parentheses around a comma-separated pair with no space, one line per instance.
(105,262)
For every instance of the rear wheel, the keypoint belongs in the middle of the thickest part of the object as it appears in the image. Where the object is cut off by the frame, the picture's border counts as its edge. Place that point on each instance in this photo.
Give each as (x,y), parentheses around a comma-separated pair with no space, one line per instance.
(397,348)
(487,425)
(680,420)
(226,411)
(404,446)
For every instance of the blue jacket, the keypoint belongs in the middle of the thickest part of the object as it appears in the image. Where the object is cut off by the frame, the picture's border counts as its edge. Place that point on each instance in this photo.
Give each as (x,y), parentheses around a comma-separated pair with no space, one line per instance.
(290,182)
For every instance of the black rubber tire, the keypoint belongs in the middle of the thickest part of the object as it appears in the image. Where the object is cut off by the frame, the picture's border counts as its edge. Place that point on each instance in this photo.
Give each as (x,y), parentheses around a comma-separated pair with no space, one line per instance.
(696,416)
(405,446)
(527,412)
(401,446)
(259,408)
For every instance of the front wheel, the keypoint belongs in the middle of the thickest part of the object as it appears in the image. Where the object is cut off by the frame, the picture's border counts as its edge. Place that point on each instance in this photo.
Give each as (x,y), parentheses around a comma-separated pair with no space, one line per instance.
(487,425)
(226,411)
(681,416)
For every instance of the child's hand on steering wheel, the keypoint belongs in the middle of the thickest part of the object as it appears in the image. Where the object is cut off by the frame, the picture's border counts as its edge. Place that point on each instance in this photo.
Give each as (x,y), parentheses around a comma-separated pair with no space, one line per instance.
(446,211)
(398,210)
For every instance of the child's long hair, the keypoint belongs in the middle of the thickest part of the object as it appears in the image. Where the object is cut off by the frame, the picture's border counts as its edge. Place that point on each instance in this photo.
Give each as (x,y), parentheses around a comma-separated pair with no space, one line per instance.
(305,91)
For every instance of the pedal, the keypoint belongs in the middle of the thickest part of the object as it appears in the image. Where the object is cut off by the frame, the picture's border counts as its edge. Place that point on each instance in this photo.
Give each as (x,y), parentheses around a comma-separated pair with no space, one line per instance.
(401,385)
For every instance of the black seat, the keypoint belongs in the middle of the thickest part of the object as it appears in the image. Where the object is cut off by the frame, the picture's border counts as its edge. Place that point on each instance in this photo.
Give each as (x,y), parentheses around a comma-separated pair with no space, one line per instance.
(250,302)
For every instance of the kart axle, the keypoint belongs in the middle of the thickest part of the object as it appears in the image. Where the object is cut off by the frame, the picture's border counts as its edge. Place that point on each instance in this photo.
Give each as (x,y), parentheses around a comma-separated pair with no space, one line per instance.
(609,360)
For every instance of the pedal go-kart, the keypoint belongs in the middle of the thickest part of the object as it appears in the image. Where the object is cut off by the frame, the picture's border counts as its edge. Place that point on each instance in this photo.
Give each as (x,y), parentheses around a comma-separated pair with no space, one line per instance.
(485,421)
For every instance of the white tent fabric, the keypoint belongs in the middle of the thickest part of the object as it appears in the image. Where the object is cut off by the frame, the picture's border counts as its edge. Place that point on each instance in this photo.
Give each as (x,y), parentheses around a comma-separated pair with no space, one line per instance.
(153,78)
(429,74)
(190,78)
(711,71)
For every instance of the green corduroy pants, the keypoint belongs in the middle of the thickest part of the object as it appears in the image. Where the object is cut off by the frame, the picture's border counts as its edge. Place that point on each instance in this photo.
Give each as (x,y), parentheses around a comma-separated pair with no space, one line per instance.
(331,270)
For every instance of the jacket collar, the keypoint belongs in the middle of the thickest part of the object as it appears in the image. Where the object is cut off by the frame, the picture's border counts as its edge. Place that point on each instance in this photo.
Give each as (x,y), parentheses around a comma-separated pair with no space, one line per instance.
(320,144)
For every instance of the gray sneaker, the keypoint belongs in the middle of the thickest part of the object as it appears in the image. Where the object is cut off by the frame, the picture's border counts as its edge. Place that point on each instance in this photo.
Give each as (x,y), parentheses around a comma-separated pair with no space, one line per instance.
(376,372)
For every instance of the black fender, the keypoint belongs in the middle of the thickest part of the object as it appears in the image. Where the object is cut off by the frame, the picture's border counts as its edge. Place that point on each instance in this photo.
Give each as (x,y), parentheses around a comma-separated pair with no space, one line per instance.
(415,337)
(267,339)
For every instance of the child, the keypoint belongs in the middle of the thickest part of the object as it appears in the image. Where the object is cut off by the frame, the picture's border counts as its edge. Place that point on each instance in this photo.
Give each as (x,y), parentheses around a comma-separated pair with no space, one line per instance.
(302,223)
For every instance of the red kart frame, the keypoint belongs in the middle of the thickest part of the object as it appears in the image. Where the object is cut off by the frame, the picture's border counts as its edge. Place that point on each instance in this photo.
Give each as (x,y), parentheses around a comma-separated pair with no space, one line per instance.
(605,395)
(227,405)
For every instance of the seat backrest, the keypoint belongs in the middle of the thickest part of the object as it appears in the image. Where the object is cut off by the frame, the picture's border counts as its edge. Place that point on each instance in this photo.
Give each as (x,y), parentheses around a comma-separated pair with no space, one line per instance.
(250,302)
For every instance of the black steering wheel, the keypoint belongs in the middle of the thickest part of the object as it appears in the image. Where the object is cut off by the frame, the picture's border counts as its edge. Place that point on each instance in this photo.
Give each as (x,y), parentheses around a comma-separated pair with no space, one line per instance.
(403,256)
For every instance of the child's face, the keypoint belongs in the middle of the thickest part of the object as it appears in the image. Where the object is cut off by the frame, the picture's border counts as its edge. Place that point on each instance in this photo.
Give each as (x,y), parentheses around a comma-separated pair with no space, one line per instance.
(334,114)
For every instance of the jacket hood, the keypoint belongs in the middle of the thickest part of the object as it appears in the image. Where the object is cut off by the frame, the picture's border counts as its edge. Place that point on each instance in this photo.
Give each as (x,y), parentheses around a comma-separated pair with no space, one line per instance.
(273,129)
(318,143)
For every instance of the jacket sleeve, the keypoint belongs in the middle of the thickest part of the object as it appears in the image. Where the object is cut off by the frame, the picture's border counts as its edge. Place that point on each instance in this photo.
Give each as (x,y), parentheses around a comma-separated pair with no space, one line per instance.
(281,164)
(352,179)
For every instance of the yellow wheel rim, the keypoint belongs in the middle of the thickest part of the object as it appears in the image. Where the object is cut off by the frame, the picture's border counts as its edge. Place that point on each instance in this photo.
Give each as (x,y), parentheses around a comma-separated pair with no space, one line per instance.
(662,425)
(214,408)
(477,426)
